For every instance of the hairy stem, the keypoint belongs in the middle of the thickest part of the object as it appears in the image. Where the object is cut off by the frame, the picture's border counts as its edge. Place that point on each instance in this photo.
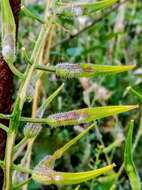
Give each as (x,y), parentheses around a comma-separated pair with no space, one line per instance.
(8,156)
(23,141)
(14,121)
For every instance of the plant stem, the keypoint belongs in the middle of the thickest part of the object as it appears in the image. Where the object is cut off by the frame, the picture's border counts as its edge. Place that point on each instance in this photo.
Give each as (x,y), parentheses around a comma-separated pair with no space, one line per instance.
(14,121)
(35,111)
(22,184)
(45,68)
(3,127)
(23,141)
(19,151)
(27,159)
(138,135)
(17,167)
(8,156)
(27,119)
(30,14)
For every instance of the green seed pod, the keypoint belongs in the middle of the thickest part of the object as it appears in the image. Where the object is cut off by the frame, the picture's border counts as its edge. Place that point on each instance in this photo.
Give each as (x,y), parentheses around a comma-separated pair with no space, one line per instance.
(8,48)
(84,8)
(32,130)
(8,33)
(129,164)
(69,70)
(85,115)
(48,176)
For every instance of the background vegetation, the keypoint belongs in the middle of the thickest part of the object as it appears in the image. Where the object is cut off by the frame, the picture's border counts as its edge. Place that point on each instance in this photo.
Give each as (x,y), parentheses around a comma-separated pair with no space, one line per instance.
(116,39)
(113,39)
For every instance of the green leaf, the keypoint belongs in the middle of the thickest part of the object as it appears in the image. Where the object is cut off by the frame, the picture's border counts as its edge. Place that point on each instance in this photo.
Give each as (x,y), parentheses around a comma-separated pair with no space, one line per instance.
(30,14)
(47,176)
(49,100)
(128,160)
(135,92)
(68,70)
(89,7)
(9,37)
(86,115)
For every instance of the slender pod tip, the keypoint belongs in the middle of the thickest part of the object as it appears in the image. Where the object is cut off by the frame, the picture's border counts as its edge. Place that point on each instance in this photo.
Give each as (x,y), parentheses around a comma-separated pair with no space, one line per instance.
(23,48)
(114,165)
(137,106)
(133,106)
(63,84)
(132,66)
(22,7)
(128,88)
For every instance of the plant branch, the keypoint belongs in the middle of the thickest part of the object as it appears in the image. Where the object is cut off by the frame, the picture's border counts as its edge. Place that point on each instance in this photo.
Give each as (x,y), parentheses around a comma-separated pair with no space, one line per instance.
(23,141)
(22,184)
(25,119)
(14,121)
(18,168)
(45,68)
(3,127)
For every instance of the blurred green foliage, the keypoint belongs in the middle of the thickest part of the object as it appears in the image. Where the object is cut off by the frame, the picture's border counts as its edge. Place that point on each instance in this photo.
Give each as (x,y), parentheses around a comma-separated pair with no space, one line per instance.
(116,39)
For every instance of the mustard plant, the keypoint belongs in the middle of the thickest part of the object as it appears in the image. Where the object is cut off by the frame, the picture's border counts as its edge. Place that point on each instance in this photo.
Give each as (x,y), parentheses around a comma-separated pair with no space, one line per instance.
(44,171)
